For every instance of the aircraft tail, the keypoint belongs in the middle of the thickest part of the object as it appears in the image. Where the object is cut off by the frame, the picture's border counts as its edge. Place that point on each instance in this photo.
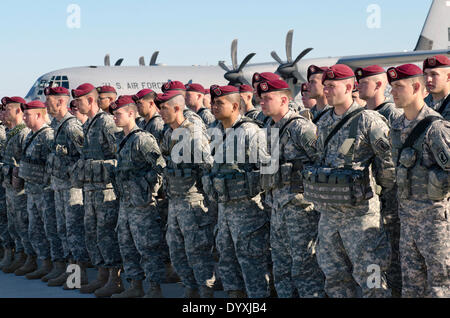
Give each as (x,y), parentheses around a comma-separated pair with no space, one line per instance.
(435,34)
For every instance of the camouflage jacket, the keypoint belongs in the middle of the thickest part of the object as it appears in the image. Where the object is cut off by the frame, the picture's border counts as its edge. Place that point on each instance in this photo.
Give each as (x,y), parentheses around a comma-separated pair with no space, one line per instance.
(100,144)
(36,148)
(206,115)
(297,143)
(389,111)
(370,147)
(155,126)
(12,152)
(315,112)
(186,147)
(139,167)
(434,148)
(67,148)
(437,104)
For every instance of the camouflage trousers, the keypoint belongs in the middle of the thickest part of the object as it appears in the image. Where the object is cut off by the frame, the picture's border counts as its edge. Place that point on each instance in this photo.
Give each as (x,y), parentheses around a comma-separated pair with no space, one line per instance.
(5,238)
(42,228)
(140,241)
(190,239)
(293,235)
(16,207)
(69,218)
(353,252)
(391,222)
(163,210)
(425,248)
(101,209)
(243,244)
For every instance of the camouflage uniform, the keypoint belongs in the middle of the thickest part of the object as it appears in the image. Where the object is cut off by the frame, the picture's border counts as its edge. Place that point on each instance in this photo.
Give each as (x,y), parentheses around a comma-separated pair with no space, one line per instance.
(5,238)
(138,175)
(293,225)
(437,104)
(206,115)
(315,112)
(192,117)
(243,225)
(423,206)
(347,249)
(16,200)
(95,170)
(42,229)
(190,226)
(68,200)
(157,128)
(389,210)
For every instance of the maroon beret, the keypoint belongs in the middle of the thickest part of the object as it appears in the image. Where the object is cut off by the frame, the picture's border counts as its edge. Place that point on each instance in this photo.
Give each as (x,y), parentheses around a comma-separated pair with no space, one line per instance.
(56,91)
(15,99)
(194,87)
(34,104)
(173,85)
(165,97)
(141,94)
(368,71)
(313,69)
(106,89)
(219,91)
(337,72)
(207,91)
(122,101)
(436,61)
(403,71)
(304,88)
(245,89)
(272,86)
(82,90)
(264,76)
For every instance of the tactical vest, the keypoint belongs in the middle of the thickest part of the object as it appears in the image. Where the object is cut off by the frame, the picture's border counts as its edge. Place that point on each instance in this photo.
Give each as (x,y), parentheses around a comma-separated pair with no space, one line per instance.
(33,170)
(342,186)
(415,181)
(290,171)
(98,167)
(60,161)
(232,183)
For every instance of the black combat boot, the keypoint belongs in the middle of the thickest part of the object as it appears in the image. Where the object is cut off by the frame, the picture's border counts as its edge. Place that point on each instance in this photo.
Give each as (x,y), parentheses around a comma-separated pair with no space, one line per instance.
(154,291)
(29,266)
(134,291)
(236,294)
(19,261)
(113,286)
(8,256)
(206,292)
(46,267)
(59,268)
(102,278)
(171,275)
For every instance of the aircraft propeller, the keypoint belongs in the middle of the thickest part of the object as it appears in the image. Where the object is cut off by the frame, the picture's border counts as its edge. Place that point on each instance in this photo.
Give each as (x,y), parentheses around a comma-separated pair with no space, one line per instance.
(152,59)
(235,76)
(107,61)
(288,70)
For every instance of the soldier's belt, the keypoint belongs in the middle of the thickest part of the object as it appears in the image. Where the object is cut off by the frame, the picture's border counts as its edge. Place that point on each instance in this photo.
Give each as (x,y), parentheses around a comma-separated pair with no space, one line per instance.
(95,171)
(336,185)
(236,186)
(32,172)
(289,173)
(180,181)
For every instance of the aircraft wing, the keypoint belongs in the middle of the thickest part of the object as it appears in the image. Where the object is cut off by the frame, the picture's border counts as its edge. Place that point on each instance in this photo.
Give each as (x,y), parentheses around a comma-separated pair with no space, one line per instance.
(389,59)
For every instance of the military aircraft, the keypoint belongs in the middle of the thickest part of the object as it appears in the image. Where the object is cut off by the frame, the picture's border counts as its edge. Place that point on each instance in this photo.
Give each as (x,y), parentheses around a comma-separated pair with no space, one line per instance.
(434,39)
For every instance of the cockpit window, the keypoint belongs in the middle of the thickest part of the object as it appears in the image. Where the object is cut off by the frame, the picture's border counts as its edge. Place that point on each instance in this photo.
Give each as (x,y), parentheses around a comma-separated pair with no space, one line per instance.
(60,80)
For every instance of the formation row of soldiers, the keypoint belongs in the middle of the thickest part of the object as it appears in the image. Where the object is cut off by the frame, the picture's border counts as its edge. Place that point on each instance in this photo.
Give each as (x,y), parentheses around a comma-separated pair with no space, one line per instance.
(357,204)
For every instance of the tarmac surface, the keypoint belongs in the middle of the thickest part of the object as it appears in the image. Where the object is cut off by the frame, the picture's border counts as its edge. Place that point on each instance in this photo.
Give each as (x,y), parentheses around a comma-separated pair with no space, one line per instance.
(12,286)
